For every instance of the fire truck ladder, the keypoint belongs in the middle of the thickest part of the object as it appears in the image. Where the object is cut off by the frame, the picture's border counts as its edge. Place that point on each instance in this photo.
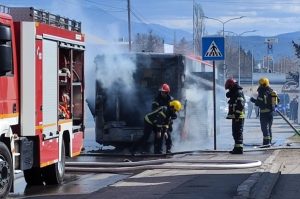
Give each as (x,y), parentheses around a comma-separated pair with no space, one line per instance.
(42,16)
(56,20)
(4,9)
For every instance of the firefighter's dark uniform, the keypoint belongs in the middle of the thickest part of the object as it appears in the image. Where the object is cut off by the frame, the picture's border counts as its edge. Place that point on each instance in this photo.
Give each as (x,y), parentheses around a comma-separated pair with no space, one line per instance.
(236,112)
(166,132)
(264,102)
(155,122)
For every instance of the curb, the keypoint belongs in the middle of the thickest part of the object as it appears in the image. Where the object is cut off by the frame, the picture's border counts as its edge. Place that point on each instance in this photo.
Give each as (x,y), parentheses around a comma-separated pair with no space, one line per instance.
(267,174)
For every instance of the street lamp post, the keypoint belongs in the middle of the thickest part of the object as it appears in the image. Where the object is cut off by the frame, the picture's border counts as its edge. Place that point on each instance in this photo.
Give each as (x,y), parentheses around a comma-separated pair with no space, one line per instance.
(223,31)
(252,63)
(239,39)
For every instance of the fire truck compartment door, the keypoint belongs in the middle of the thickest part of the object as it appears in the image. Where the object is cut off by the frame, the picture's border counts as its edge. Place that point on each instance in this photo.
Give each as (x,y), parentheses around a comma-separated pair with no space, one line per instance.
(50,62)
(27,79)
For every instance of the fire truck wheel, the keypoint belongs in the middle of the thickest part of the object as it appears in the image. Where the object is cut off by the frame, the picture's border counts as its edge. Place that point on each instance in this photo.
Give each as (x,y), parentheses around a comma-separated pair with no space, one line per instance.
(6,170)
(54,174)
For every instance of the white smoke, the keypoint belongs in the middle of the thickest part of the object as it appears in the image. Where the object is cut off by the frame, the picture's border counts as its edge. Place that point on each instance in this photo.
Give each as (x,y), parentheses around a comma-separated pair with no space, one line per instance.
(116,68)
(197,127)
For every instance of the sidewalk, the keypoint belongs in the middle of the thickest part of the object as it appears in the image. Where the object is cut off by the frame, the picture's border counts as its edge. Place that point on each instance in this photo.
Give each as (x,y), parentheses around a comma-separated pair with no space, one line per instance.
(286,168)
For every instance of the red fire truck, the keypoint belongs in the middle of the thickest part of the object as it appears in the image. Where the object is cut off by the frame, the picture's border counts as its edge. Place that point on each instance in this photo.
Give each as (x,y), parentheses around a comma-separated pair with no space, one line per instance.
(41,95)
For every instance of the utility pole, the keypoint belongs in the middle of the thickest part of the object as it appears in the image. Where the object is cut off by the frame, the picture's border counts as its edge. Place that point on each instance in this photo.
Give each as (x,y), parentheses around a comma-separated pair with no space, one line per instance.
(194,44)
(198,27)
(129,26)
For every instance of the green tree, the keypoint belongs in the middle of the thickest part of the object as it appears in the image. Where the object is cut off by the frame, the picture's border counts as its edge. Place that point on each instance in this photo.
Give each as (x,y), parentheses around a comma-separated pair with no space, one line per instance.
(297,49)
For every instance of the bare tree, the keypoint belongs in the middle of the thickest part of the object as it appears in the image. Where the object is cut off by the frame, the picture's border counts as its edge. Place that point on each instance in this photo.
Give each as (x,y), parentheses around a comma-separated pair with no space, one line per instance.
(182,47)
(148,42)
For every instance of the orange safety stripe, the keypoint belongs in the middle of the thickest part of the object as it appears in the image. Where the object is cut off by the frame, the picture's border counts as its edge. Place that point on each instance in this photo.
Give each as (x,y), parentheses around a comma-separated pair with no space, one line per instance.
(76,153)
(64,121)
(9,115)
(44,126)
(53,124)
(44,164)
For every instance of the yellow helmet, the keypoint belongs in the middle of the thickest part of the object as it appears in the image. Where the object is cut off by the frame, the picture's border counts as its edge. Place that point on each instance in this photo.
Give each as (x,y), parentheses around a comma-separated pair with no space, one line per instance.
(176,104)
(264,82)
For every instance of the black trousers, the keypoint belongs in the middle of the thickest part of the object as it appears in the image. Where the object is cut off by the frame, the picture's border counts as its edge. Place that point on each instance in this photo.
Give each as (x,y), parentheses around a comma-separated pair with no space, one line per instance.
(237,131)
(168,140)
(143,141)
(266,121)
(167,137)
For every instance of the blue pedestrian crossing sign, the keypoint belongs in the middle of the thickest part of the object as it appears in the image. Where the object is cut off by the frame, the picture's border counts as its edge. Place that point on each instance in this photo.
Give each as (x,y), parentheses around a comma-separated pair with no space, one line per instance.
(213,48)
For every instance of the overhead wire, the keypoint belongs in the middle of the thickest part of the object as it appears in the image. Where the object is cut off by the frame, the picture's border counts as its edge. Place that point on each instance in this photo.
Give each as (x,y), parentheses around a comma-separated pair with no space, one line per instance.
(142,19)
(257,2)
(110,7)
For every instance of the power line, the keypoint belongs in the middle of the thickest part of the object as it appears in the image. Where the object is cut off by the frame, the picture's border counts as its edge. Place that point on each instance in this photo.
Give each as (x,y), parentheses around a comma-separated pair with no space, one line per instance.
(110,7)
(270,2)
(139,18)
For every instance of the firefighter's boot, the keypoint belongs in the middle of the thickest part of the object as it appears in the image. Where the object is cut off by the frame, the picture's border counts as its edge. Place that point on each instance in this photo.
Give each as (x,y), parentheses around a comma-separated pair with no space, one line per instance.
(267,142)
(132,150)
(237,150)
(168,150)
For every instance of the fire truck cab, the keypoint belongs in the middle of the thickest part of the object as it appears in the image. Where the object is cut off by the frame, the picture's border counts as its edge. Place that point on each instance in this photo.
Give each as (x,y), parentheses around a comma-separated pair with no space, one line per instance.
(41,95)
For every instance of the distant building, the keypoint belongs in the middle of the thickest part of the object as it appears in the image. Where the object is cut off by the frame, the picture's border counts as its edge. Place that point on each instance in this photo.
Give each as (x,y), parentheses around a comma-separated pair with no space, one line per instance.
(168,48)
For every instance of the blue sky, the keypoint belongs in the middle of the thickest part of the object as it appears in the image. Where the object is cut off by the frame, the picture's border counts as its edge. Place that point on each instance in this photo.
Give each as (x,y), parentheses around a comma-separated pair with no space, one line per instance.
(268,17)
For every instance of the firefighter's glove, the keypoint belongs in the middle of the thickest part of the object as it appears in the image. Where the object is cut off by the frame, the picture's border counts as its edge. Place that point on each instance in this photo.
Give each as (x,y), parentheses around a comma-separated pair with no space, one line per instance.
(174,116)
(253,100)
(165,129)
(170,128)
(237,115)
(228,94)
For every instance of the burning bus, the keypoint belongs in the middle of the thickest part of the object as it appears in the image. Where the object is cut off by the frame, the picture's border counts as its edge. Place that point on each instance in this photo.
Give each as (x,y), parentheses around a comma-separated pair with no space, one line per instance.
(127,83)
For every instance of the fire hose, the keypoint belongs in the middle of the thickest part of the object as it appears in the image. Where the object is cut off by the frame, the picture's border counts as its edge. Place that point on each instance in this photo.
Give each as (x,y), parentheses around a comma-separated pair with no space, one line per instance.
(186,164)
(285,119)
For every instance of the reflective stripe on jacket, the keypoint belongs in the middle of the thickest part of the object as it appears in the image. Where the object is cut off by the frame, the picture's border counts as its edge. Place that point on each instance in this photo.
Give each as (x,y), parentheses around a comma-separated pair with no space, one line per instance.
(159,118)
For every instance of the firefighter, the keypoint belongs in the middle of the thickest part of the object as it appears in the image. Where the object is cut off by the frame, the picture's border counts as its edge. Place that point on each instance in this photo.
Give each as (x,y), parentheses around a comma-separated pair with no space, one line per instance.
(156,121)
(267,101)
(163,98)
(236,112)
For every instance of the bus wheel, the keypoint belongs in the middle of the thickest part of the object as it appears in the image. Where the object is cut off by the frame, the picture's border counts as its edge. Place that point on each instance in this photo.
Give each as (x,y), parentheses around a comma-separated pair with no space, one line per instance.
(54,174)
(6,171)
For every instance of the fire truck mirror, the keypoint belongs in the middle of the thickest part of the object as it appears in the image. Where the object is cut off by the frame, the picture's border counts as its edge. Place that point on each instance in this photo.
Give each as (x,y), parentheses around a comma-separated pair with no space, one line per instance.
(5,34)
(5,59)
(5,50)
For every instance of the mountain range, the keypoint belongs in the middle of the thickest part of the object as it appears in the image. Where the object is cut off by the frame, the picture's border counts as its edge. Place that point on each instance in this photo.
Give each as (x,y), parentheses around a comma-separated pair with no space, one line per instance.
(255,44)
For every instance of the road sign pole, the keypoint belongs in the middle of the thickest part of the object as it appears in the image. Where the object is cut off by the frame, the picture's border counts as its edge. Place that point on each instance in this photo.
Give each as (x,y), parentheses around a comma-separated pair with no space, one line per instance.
(215,112)
(213,49)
